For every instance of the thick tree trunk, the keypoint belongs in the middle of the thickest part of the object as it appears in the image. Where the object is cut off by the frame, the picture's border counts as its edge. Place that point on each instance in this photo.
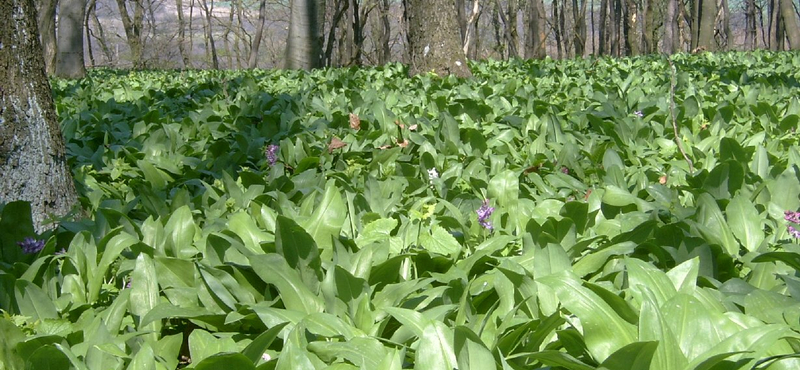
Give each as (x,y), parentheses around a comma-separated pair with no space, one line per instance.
(47,33)
(133,29)
(557,30)
(750,25)
(302,49)
(434,38)
(535,37)
(631,17)
(603,37)
(705,21)
(69,63)
(383,33)
(790,24)
(776,34)
(579,22)
(33,163)
(671,28)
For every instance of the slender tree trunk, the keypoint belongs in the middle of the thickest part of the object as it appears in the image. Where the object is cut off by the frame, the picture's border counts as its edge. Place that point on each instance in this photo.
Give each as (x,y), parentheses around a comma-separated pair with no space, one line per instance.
(86,17)
(33,162)
(339,11)
(603,48)
(671,27)
(262,17)
(187,61)
(557,30)
(616,19)
(511,26)
(383,33)
(535,37)
(69,63)
(461,15)
(790,24)
(434,38)
(499,32)
(750,25)
(47,32)
(210,33)
(133,29)
(302,49)
(776,35)
(579,21)
(101,37)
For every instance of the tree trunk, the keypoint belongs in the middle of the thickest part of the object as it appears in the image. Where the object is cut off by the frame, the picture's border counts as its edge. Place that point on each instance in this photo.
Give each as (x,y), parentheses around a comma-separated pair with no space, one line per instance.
(750,25)
(603,37)
(133,30)
(33,163)
(557,30)
(535,37)
(705,22)
(631,16)
(671,28)
(101,37)
(262,16)
(69,63)
(383,34)
(776,35)
(579,21)
(212,47)
(512,34)
(302,49)
(47,32)
(433,38)
(88,15)
(187,61)
(790,24)
(616,18)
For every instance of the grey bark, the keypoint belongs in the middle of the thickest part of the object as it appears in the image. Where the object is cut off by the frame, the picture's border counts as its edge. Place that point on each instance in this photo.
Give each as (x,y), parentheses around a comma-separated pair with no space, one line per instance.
(262,16)
(383,33)
(434,38)
(133,29)
(790,24)
(535,37)
(670,43)
(69,63)
(212,47)
(187,62)
(302,45)
(47,32)
(33,164)
(750,25)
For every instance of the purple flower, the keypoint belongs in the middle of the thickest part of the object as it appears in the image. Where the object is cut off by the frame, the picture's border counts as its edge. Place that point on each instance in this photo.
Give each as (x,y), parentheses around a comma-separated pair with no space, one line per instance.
(31,245)
(484,213)
(565,170)
(271,154)
(793,217)
(638,113)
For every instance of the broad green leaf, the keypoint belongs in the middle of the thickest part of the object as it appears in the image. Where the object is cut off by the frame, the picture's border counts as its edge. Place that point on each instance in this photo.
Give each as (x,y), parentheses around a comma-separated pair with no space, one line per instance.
(555,358)
(112,245)
(604,330)
(180,231)
(694,325)
(255,350)
(144,293)
(11,336)
(439,241)
(364,352)
(243,225)
(654,327)
(328,217)
(144,359)
(684,276)
(376,231)
(713,226)
(633,356)
(273,269)
(643,274)
(33,302)
(225,361)
(46,357)
(745,222)
(203,344)
(299,250)
(435,350)
(471,353)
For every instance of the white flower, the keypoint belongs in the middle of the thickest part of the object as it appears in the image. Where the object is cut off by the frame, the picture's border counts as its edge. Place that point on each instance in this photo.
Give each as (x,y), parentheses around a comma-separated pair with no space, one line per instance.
(432,174)
(266,357)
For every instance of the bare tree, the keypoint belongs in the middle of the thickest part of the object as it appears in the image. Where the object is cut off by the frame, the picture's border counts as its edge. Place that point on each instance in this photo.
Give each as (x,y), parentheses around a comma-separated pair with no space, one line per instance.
(434,38)
(69,63)
(187,61)
(790,24)
(33,159)
(133,29)
(47,32)
(302,45)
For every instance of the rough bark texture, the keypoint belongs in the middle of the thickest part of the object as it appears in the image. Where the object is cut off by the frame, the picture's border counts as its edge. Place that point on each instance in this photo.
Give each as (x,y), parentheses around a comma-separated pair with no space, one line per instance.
(790,24)
(705,28)
(669,46)
(535,36)
(434,38)
(750,25)
(33,165)
(187,62)
(302,48)
(69,63)
(47,32)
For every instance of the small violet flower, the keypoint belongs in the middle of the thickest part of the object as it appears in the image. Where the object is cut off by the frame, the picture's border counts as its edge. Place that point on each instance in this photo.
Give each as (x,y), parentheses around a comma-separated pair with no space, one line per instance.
(565,170)
(483,215)
(638,113)
(271,153)
(31,245)
(793,217)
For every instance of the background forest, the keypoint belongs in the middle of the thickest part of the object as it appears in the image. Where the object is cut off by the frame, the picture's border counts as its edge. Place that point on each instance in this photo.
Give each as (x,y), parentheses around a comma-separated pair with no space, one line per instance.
(253,33)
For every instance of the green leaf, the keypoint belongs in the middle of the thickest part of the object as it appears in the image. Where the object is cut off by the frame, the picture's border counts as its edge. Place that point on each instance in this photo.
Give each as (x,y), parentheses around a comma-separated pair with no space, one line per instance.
(654,327)
(643,274)
(47,357)
(299,250)
(364,352)
(144,293)
(225,361)
(439,241)
(789,258)
(376,231)
(144,359)
(329,216)
(243,225)
(470,351)
(435,350)
(33,302)
(555,358)
(273,269)
(10,336)
(633,356)
(745,222)
(258,346)
(180,231)
(604,330)
(713,226)
(203,344)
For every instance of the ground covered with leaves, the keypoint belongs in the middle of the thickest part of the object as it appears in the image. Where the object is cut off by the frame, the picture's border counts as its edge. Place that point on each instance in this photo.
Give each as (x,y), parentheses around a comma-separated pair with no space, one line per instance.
(538,215)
